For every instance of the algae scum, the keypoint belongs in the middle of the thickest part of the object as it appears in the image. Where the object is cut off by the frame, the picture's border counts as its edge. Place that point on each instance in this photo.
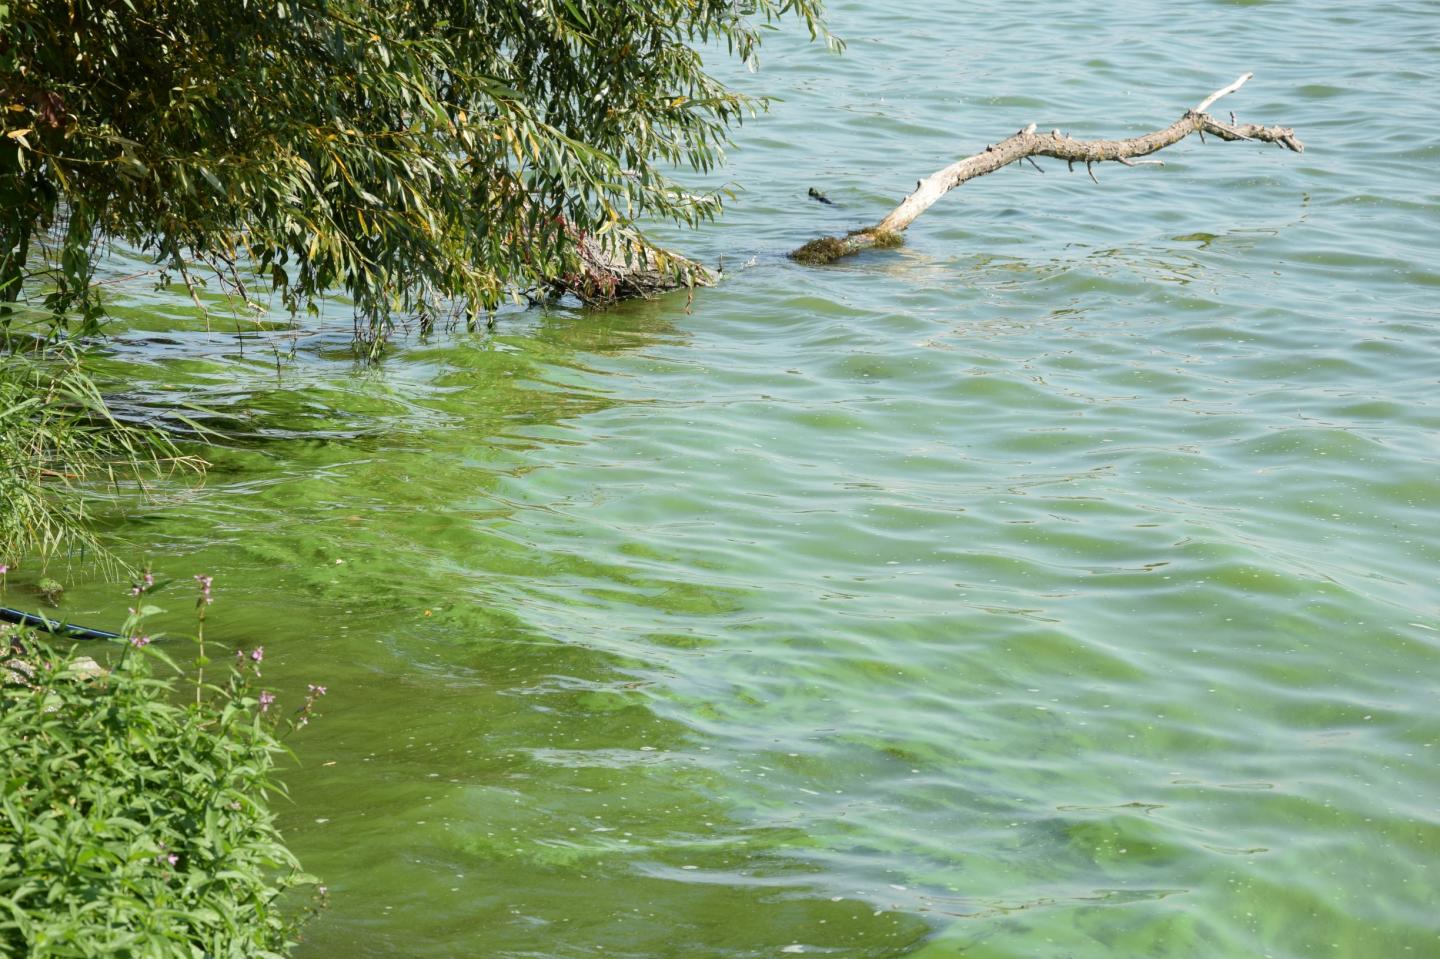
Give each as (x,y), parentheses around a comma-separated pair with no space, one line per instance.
(1062,583)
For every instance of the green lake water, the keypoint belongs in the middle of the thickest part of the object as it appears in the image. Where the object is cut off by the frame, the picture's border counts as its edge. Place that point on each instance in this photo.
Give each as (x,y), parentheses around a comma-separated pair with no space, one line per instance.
(1063,584)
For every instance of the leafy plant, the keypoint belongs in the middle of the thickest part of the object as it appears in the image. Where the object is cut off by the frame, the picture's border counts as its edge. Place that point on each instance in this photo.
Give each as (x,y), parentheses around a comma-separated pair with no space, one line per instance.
(132,825)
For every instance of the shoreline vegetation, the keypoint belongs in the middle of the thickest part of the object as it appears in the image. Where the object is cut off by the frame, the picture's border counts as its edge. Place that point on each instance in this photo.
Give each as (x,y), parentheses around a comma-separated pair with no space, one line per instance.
(135,818)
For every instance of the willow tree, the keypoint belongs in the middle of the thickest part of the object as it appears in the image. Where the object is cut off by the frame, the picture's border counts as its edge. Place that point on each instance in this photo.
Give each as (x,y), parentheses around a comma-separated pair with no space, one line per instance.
(419,155)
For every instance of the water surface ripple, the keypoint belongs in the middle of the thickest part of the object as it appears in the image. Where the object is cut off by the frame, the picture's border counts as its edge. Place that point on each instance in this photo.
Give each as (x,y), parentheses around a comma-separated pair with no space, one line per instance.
(1062,584)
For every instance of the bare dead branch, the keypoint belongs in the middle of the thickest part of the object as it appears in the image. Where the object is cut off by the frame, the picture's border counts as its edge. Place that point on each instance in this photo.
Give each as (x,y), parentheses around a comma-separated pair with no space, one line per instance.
(1026,144)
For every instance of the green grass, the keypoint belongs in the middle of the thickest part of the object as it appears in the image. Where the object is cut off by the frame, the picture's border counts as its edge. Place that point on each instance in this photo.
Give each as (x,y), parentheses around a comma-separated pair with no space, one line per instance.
(59,442)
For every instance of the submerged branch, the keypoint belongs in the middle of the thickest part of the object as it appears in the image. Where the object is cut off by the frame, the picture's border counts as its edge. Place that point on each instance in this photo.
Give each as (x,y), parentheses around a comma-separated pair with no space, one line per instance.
(628,268)
(1026,144)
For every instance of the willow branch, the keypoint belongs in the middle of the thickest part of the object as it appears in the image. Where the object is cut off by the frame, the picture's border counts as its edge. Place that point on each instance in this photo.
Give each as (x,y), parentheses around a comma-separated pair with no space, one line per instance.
(628,268)
(1028,143)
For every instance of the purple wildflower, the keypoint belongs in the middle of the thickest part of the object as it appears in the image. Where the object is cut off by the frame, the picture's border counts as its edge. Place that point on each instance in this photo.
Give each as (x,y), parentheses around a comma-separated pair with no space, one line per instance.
(172,859)
(317,690)
(266,698)
(4,569)
(140,642)
(257,655)
(204,582)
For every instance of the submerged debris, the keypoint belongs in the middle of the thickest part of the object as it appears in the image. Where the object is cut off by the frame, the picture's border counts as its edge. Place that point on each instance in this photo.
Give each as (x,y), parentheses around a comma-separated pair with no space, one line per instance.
(828,249)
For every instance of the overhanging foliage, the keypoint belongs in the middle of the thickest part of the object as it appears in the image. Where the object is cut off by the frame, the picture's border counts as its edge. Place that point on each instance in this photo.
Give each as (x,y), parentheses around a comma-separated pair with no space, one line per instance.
(418,154)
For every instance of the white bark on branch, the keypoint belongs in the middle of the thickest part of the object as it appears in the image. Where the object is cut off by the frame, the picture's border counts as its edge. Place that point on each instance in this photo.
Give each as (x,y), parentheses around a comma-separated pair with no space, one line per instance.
(1027,144)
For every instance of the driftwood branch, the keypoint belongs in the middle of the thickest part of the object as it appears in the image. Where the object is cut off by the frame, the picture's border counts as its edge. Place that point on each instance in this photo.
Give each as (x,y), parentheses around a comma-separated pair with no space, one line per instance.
(1027,144)
(627,268)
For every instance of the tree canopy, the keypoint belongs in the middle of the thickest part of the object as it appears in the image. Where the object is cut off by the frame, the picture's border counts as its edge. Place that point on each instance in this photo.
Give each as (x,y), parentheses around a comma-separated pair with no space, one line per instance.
(420,155)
